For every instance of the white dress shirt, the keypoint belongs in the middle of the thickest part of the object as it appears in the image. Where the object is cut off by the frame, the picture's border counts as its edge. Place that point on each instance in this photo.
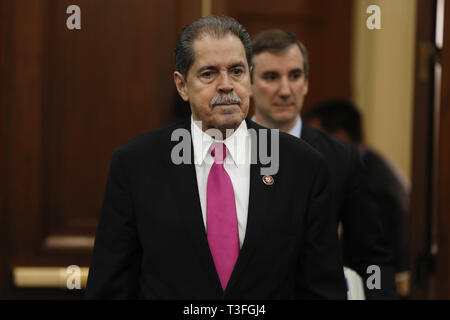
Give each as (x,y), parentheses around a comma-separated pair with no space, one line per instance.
(236,164)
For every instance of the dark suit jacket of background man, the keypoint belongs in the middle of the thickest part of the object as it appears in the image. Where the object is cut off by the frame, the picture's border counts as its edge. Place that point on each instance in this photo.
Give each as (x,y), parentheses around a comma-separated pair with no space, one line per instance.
(151,241)
(363,239)
(392,198)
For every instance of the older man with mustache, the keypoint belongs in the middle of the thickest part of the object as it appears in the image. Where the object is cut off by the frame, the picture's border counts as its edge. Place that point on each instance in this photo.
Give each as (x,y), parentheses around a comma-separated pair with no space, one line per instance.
(212,227)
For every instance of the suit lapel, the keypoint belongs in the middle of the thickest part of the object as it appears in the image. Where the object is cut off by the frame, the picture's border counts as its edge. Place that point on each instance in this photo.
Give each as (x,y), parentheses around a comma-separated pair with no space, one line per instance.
(184,184)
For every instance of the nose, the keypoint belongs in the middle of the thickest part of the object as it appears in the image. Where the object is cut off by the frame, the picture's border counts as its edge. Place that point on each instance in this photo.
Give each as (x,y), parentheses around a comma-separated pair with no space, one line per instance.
(284,90)
(225,85)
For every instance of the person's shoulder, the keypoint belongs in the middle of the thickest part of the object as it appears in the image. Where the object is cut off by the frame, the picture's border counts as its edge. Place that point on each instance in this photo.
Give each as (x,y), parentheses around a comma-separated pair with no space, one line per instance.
(383,172)
(373,158)
(296,146)
(321,140)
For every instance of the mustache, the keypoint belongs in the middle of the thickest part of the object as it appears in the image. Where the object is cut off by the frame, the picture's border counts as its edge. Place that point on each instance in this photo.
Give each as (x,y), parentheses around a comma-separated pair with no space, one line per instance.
(225,98)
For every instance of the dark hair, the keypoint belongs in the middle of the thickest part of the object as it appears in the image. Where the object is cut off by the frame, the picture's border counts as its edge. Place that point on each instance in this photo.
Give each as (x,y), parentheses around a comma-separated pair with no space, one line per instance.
(217,26)
(278,41)
(339,114)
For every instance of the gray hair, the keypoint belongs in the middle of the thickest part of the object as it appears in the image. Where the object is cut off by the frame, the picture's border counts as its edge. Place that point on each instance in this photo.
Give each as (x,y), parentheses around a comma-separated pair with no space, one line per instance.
(217,26)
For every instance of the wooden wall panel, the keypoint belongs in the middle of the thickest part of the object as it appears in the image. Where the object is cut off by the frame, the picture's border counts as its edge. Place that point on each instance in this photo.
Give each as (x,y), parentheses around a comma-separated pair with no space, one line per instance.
(25,88)
(113,78)
(4,26)
(323,26)
(68,99)
(187,11)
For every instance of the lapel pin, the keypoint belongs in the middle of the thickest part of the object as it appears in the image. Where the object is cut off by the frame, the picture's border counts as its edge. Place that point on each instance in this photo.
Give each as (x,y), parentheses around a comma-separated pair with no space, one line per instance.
(268,180)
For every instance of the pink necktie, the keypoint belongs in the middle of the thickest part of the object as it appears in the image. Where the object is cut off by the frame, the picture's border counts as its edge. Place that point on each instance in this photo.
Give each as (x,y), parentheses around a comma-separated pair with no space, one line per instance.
(221,219)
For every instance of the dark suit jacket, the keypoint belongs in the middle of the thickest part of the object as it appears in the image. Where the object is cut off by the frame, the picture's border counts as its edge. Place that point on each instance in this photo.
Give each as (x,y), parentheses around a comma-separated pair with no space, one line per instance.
(392,198)
(151,241)
(364,243)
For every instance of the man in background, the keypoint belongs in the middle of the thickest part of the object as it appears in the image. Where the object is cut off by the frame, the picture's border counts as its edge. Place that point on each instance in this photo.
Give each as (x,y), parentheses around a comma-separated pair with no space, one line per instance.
(279,86)
(341,119)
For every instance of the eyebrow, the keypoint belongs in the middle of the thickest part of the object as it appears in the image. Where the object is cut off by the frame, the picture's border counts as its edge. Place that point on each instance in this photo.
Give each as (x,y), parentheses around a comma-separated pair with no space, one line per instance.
(237,64)
(290,71)
(234,65)
(206,68)
(296,70)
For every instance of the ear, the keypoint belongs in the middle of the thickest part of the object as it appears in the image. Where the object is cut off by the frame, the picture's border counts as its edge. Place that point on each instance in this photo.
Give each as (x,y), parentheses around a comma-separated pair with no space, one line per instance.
(180,83)
(306,87)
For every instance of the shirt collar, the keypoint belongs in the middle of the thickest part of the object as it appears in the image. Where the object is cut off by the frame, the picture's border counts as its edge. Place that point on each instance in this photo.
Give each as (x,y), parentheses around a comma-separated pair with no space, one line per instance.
(235,143)
(296,131)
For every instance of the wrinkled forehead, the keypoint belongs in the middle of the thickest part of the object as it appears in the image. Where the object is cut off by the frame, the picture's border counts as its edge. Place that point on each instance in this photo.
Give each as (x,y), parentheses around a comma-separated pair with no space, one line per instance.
(210,49)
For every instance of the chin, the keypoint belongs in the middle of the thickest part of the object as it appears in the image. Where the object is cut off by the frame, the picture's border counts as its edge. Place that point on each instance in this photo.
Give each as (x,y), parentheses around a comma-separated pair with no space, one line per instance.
(284,117)
(228,121)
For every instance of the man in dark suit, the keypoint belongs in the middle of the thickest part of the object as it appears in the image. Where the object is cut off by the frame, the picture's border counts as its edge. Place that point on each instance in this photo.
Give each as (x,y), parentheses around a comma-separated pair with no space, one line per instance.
(341,119)
(196,219)
(279,85)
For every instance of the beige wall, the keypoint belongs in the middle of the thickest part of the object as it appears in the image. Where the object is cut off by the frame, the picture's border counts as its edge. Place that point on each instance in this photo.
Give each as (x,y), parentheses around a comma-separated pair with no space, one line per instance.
(383,77)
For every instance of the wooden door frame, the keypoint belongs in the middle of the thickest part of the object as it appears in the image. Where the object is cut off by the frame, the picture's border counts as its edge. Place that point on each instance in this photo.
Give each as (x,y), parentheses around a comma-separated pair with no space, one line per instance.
(430,197)
(443,181)
(4,58)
